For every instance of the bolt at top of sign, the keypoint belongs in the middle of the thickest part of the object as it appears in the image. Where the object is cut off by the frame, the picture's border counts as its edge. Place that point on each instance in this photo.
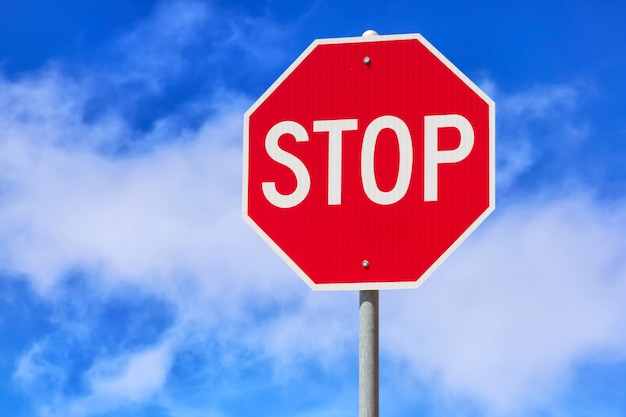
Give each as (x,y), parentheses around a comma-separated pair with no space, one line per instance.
(368,162)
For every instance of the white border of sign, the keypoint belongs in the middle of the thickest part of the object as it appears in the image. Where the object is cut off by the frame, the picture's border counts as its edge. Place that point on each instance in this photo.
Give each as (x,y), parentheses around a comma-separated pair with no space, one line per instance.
(492,164)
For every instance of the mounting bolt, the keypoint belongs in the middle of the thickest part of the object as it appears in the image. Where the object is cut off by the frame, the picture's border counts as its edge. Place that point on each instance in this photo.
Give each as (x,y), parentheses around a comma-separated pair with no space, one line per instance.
(366,264)
(367,61)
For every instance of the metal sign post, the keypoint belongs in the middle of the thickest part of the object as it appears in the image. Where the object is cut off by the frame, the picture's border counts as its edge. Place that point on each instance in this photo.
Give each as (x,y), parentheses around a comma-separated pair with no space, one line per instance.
(368,353)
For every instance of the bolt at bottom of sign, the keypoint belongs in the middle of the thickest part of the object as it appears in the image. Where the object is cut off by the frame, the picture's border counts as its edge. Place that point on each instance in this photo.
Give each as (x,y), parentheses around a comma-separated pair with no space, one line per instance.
(365,264)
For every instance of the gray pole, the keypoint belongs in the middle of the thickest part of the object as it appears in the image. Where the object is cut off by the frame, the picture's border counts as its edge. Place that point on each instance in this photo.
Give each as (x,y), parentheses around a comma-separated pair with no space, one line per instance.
(368,353)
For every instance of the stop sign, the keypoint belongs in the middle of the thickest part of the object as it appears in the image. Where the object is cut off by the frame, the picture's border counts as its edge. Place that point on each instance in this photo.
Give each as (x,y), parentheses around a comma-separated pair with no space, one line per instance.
(368,162)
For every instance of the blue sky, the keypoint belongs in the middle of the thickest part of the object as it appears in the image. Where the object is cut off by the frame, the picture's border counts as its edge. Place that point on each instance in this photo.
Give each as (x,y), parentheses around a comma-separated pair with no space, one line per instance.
(130,286)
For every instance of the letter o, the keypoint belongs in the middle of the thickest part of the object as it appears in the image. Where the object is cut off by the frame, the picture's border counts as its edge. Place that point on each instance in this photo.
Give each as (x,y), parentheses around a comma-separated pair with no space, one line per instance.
(405,148)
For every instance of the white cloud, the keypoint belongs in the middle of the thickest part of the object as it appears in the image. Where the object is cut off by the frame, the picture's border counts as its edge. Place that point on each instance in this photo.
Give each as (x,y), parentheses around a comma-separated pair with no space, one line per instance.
(115,382)
(538,290)
(540,101)
(536,123)
(184,40)
(132,377)
(33,369)
(66,206)
(321,327)
(155,49)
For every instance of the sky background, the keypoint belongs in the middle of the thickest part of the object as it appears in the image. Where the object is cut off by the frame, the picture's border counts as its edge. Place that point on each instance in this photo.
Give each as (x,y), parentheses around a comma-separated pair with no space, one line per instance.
(130,285)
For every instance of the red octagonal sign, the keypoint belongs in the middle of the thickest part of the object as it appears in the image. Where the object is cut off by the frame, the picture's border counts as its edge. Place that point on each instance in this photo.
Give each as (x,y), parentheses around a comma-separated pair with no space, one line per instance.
(368,162)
